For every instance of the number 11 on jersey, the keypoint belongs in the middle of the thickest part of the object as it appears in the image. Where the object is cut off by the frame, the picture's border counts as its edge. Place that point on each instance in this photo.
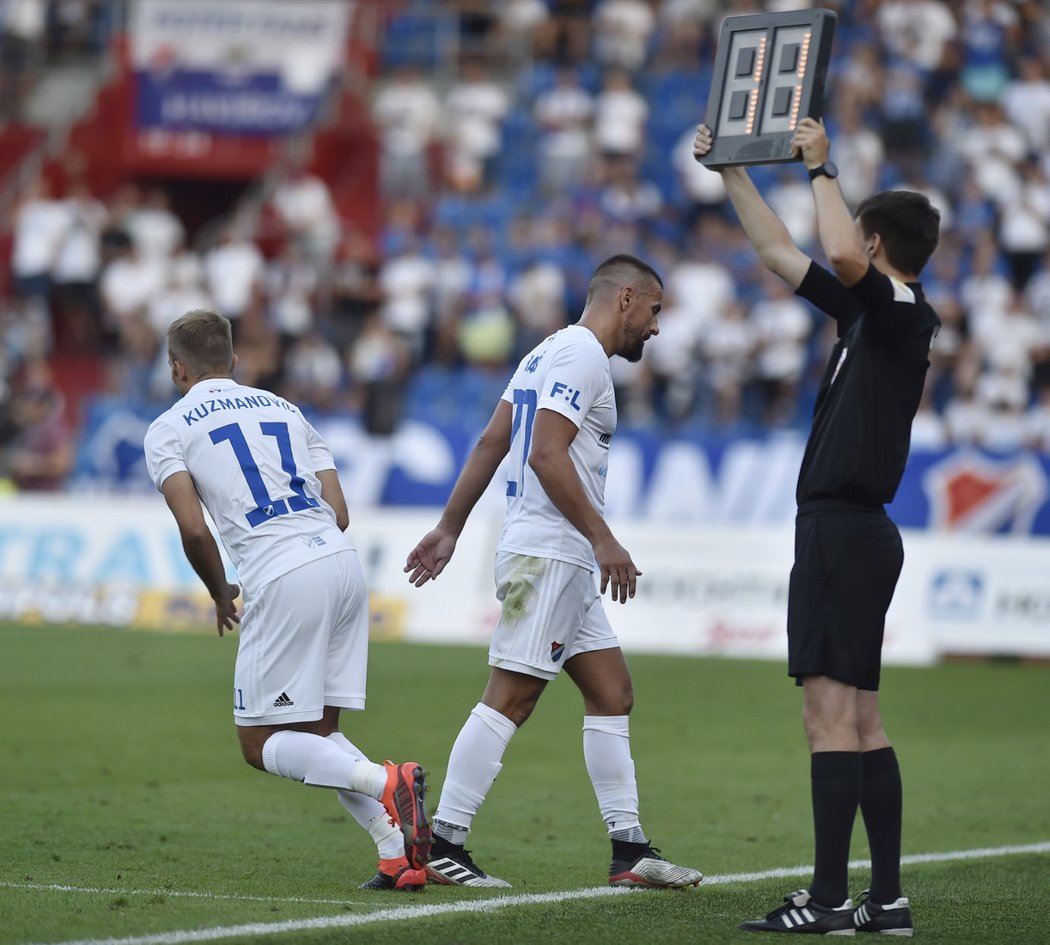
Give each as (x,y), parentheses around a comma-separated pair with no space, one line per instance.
(266,507)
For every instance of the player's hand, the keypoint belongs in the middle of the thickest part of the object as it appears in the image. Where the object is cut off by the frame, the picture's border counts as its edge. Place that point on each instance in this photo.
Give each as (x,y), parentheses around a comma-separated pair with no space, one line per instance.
(617,569)
(428,559)
(703,142)
(226,616)
(811,142)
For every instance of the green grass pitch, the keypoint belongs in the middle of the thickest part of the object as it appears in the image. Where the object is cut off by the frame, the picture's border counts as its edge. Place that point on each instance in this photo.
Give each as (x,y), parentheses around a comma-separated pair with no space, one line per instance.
(122,783)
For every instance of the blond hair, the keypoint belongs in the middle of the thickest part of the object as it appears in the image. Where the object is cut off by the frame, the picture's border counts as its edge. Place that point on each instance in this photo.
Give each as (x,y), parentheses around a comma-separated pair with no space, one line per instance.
(202,341)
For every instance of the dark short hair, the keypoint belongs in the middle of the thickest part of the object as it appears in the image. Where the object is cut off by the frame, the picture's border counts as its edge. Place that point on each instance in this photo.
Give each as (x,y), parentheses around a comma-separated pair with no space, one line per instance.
(908,224)
(618,271)
(202,340)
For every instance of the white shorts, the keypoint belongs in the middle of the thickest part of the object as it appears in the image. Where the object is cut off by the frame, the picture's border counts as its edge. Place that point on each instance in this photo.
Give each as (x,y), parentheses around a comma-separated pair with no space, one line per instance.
(304,644)
(551,611)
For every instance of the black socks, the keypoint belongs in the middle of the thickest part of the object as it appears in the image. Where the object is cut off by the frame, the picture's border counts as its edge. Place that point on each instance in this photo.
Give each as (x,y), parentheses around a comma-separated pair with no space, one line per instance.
(836,783)
(881,804)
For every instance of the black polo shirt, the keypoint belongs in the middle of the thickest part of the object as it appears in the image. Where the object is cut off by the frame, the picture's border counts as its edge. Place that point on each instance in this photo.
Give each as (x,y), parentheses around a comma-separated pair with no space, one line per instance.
(870,391)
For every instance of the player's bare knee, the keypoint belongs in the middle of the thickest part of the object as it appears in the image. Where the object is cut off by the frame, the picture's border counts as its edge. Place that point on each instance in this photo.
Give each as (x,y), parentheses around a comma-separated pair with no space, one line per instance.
(522,708)
(251,744)
(819,728)
(620,702)
(253,756)
(516,706)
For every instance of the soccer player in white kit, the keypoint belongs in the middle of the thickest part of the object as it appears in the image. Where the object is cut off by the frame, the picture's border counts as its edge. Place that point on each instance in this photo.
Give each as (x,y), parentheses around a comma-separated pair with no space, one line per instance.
(555,420)
(269,484)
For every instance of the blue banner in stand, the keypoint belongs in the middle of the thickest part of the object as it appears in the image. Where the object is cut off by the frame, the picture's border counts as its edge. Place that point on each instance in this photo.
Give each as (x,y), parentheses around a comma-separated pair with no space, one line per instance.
(251,67)
(686,480)
(206,101)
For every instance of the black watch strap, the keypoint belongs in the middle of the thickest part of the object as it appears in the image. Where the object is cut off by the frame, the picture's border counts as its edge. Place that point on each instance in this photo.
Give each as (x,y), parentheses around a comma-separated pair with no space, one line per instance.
(827,169)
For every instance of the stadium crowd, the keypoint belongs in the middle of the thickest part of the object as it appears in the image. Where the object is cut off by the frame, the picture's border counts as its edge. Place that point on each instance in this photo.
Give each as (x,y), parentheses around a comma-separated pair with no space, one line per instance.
(564,135)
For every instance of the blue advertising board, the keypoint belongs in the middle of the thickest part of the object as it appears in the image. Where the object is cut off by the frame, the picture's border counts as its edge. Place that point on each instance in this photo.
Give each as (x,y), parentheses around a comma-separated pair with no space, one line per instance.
(251,67)
(697,480)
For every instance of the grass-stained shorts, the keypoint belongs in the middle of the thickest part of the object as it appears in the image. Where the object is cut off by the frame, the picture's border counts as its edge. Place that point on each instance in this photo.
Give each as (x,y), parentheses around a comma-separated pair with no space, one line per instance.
(551,611)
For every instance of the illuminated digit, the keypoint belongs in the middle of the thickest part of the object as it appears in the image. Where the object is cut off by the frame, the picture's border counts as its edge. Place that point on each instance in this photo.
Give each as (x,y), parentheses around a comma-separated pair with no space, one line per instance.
(788,61)
(746,64)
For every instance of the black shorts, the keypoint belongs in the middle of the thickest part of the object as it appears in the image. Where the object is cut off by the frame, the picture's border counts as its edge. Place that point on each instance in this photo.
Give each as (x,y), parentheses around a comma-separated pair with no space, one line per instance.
(847,561)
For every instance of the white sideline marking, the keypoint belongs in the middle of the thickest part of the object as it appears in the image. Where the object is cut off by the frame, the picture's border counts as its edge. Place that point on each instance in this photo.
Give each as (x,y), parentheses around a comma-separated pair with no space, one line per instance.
(785,871)
(477,905)
(347,921)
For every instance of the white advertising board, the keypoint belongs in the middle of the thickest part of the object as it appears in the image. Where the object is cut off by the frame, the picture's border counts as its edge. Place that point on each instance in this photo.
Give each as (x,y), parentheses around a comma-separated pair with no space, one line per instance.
(714,591)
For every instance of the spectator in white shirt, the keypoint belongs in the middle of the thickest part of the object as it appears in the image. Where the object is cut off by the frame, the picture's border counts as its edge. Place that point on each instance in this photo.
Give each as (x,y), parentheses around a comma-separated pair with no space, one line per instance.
(129,283)
(406,113)
(40,227)
(859,153)
(965,417)
(378,365)
(313,372)
(291,285)
(728,346)
(537,297)
(670,371)
(157,232)
(233,273)
(791,199)
(1024,223)
(704,188)
(474,112)
(304,206)
(182,293)
(22,27)
(928,428)
(622,29)
(453,274)
(1026,102)
(917,30)
(1004,396)
(993,147)
(76,270)
(407,280)
(564,113)
(783,327)
(1011,338)
(620,116)
(700,286)
(626,198)
(985,290)
(525,26)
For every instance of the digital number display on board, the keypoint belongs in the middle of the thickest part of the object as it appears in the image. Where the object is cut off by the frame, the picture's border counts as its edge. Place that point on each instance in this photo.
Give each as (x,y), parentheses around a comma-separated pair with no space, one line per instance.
(769,74)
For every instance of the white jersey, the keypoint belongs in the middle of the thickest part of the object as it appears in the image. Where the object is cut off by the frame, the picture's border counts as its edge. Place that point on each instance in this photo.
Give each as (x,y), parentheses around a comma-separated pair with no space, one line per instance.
(567,373)
(253,458)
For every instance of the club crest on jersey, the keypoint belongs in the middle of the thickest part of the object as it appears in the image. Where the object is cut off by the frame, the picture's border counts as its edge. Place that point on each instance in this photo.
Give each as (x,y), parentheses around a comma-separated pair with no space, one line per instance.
(557,651)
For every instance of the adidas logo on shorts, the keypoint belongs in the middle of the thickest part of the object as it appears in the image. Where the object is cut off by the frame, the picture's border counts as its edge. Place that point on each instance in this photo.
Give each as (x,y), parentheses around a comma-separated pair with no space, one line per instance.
(282,701)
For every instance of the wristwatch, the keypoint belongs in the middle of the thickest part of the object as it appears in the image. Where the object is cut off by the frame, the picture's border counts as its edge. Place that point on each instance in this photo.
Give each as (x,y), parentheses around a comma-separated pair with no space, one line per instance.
(827,169)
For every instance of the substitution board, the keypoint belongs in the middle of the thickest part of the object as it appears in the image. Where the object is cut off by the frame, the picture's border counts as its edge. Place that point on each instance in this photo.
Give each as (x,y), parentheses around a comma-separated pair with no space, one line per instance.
(769,74)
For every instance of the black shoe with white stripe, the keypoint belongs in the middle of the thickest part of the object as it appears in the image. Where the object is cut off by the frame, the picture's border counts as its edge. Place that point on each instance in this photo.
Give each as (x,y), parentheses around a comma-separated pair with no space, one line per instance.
(451,865)
(891,919)
(801,914)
